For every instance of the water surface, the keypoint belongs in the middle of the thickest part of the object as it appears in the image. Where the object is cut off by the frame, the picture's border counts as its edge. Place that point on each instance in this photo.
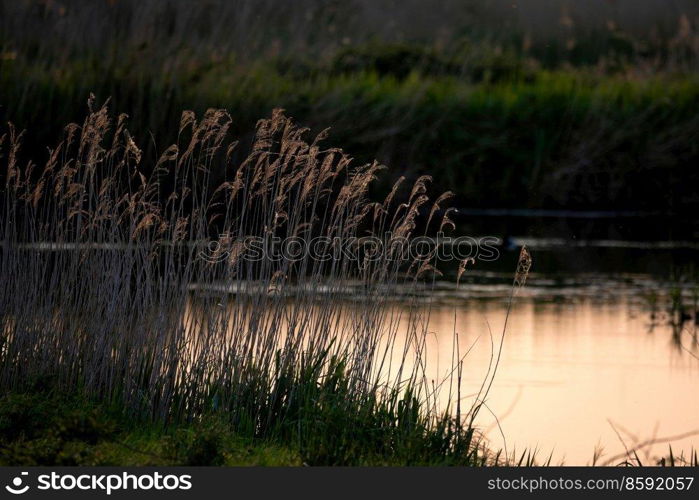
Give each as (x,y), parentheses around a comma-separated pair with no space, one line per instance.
(572,372)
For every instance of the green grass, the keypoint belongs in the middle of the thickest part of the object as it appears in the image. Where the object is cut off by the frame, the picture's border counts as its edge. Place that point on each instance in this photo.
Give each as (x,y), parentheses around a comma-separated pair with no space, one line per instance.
(584,110)
(45,428)
(41,428)
(574,138)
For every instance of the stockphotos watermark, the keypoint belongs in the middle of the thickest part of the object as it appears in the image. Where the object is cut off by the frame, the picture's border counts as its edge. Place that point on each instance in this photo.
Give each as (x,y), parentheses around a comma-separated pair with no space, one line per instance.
(100,483)
(231,248)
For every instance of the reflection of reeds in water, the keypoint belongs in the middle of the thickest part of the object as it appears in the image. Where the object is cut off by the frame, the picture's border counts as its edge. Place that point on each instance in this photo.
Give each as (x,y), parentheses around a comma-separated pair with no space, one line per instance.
(677,308)
(105,317)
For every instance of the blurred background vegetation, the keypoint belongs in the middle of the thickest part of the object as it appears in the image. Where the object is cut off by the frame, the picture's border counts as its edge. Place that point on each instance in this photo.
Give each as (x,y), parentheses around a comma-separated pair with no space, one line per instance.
(576,104)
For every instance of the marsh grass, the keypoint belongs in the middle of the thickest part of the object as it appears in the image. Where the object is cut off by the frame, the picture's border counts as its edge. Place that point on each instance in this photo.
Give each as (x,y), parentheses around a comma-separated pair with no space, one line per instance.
(570,139)
(102,257)
(570,113)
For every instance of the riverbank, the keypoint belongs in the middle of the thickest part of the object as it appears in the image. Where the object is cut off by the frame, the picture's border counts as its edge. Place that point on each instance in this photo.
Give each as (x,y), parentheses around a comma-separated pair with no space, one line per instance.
(44,427)
(573,139)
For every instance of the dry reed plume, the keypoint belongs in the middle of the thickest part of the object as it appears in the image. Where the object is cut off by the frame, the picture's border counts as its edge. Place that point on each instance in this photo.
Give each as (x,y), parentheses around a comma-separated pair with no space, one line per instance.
(104,290)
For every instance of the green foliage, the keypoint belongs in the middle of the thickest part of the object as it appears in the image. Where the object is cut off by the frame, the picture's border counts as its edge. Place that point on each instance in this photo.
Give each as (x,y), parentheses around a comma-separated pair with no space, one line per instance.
(586,114)
(48,429)
(508,137)
(39,430)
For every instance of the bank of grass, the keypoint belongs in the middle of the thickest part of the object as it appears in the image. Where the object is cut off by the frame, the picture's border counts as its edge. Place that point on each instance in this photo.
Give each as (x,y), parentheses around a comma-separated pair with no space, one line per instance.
(45,427)
(589,110)
(41,428)
(327,425)
(573,138)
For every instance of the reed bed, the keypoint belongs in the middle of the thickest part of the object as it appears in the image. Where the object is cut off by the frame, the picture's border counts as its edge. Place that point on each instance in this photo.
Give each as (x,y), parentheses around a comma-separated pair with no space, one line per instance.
(117,282)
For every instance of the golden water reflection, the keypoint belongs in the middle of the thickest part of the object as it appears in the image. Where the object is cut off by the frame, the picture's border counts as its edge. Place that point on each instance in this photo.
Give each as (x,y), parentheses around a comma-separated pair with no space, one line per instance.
(567,371)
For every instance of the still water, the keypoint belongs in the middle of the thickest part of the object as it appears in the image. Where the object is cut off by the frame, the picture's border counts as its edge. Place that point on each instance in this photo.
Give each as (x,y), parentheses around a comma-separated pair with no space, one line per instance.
(588,361)
(572,372)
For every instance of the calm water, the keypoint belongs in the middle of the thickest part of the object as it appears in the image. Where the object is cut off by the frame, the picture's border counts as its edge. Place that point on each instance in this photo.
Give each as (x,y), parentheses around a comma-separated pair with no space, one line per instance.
(578,355)
(570,370)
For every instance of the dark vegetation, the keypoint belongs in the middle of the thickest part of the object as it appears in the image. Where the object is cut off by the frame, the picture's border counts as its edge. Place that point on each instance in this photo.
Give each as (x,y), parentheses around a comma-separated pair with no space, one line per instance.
(560,106)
